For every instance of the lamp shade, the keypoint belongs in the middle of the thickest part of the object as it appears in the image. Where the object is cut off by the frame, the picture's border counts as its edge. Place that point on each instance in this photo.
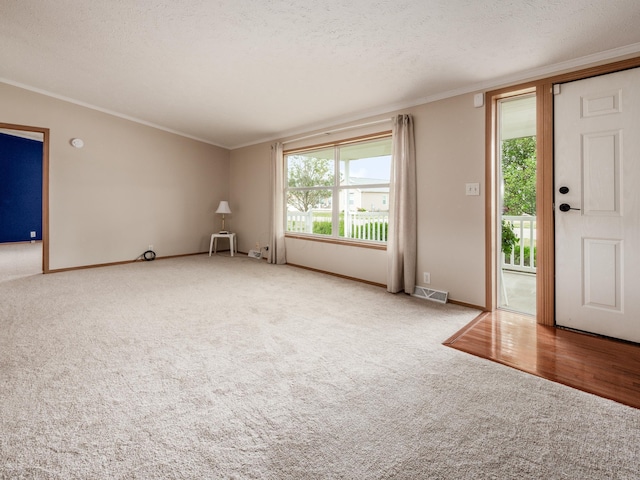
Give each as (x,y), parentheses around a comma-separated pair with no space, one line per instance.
(223,207)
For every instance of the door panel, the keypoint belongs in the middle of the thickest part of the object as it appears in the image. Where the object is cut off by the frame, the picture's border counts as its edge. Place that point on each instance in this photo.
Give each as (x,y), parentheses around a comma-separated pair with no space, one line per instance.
(601,172)
(597,219)
(602,274)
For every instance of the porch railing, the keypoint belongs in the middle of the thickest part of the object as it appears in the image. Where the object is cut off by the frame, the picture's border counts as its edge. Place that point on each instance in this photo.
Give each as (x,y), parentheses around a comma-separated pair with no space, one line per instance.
(357,225)
(523,256)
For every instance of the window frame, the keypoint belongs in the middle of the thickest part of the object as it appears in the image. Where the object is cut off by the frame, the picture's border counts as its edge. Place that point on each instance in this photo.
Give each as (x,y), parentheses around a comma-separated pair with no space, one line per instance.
(335,192)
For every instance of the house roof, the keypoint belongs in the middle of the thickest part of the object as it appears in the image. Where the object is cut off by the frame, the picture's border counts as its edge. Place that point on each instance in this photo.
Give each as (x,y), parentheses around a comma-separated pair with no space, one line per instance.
(234,73)
(366,184)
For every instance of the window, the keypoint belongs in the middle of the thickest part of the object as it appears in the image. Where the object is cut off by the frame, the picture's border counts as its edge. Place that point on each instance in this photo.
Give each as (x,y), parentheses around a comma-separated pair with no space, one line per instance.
(340,191)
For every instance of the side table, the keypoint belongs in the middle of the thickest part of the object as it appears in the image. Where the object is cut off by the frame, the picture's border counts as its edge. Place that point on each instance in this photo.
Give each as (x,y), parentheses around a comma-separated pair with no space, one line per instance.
(233,246)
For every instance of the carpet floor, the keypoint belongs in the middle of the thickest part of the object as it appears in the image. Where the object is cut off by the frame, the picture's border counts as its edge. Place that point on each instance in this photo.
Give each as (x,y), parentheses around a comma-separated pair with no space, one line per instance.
(220,367)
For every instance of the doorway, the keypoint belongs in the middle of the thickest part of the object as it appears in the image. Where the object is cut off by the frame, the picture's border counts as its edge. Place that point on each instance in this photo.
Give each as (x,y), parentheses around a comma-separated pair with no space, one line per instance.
(545,188)
(24,246)
(516,169)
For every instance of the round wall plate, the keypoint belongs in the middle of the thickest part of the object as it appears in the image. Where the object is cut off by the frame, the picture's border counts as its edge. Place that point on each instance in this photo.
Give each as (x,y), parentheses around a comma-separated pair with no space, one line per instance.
(77,142)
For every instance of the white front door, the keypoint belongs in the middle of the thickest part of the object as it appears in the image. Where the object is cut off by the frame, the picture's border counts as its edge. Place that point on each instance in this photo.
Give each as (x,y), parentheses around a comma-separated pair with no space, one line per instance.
(597,204)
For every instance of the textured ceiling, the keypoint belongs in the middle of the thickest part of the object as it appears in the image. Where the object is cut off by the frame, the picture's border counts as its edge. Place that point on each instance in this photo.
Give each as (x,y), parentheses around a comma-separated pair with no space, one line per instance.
(235,72)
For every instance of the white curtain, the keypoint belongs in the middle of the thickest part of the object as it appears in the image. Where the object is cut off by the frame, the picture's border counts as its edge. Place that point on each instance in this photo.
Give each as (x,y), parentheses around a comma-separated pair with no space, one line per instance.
(276,234)
(402,239)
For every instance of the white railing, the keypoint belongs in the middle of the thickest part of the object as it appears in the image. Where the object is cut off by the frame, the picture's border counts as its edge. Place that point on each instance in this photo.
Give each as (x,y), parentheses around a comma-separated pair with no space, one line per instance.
(357,225)
(522,258)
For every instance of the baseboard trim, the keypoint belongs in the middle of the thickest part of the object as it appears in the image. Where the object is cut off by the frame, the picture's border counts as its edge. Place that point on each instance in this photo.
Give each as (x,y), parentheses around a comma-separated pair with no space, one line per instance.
(376,284)
(25,242)
(346,277)
(124,262)
(468,305)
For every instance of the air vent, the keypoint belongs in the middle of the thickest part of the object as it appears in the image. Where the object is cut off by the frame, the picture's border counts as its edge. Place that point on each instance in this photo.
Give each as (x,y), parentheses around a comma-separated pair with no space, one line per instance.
(430,294)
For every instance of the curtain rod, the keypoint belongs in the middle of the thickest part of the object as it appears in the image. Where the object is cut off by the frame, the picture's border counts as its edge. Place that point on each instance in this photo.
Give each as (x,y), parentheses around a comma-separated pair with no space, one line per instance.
(328,132)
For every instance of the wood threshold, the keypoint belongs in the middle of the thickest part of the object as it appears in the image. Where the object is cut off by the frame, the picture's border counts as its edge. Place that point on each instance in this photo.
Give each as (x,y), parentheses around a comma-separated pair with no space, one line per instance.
(602,366)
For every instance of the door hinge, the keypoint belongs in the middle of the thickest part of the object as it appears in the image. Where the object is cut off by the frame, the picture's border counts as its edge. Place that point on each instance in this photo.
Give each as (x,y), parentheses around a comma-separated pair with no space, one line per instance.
(556,89)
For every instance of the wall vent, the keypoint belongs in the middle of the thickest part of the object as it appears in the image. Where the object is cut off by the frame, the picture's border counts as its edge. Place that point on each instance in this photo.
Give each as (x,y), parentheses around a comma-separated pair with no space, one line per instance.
(430,294)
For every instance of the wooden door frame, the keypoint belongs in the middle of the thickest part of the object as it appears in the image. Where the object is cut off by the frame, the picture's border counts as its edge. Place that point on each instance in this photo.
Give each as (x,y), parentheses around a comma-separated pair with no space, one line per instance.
(545,274)
(45,186)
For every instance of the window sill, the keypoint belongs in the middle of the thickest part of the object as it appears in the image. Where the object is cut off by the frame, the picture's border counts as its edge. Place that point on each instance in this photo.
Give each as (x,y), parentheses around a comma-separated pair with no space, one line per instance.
(338,241)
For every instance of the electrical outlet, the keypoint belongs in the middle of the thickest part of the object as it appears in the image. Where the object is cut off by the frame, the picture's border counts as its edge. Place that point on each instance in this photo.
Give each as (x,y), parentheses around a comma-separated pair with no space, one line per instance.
(472,189)
(33,234)
(150,246)
(427,278)
(258,246)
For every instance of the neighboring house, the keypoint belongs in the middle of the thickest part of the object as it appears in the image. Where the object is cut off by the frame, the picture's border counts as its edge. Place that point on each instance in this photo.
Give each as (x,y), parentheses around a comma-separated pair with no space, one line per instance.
(369,198)
(374,199)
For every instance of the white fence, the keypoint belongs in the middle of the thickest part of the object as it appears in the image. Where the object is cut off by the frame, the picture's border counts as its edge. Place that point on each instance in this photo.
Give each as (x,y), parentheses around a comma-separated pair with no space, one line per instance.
(357,225)
(522,258)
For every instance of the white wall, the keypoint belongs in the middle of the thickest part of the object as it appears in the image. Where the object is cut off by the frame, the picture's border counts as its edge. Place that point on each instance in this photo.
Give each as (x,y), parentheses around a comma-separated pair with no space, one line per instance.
(449,153)
(250,194)
(450,147)
(130,186)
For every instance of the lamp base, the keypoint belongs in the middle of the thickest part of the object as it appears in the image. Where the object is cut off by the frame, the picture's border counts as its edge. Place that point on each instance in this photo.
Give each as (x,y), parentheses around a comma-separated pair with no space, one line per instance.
(224,232)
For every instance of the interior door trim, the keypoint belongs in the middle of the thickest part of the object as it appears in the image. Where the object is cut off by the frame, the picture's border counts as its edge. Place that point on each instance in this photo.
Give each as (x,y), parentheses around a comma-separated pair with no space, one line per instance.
(545,275)
(45,186)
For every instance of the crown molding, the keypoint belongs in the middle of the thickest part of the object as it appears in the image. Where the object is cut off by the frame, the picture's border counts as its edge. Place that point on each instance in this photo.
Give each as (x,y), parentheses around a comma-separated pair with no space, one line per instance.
(499,82)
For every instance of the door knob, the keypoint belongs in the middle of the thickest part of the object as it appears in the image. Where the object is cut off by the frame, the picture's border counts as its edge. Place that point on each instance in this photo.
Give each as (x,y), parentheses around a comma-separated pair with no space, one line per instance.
(564,190)
(565,207)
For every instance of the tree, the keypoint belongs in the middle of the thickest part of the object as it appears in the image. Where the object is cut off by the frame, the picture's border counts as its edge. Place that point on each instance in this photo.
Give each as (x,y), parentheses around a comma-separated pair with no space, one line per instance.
(519,176)
(305,171)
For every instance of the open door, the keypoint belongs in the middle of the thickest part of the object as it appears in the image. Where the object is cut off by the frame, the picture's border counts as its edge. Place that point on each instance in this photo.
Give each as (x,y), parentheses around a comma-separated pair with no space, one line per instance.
(597,204)
(516,201)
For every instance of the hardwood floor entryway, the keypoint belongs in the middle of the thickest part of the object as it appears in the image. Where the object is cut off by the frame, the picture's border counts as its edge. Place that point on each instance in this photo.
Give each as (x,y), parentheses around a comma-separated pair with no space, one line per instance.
(604,367)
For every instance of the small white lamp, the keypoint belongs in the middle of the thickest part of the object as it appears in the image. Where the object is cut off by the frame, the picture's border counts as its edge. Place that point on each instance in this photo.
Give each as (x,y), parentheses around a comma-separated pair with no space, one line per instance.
(223,208)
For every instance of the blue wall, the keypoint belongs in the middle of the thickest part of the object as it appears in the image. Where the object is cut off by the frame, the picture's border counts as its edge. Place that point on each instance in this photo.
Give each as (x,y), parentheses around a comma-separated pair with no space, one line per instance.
(20,189)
